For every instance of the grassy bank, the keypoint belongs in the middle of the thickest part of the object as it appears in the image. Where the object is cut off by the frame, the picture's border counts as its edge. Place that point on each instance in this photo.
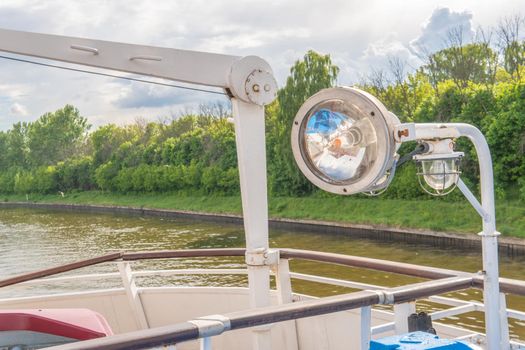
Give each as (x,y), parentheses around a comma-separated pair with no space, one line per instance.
(435,215)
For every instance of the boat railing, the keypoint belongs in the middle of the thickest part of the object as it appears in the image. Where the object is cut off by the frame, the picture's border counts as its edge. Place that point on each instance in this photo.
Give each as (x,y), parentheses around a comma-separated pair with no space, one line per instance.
(289,308)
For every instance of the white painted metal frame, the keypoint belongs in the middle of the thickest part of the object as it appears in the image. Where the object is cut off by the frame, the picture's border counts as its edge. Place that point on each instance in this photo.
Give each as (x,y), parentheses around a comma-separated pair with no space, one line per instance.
(496,328)
(132,292)
(249,80)
(251,155)
(401,313)
(179,65)
(366,329)
(285,295)
(283,284)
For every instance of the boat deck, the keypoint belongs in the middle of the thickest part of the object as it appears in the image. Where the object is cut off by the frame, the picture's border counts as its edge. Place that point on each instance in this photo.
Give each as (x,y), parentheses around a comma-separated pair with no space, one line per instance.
(154,315)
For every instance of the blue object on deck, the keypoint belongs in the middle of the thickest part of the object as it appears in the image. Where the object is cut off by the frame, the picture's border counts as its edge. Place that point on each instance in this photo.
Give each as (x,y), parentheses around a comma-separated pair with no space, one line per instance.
(417,341)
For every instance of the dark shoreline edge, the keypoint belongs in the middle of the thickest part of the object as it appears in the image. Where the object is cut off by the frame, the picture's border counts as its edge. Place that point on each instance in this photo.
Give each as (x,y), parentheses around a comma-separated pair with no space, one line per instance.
(508,246)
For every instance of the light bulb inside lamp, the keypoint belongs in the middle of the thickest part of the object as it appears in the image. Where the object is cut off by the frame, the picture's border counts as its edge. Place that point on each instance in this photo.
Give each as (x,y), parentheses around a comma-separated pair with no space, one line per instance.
(337,141)
(440,174)
(342,140)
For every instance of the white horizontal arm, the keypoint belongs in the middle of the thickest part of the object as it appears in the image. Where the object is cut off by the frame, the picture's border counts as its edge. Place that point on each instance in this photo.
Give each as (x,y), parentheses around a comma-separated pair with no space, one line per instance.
(180,65)
(248,78)
(431,131)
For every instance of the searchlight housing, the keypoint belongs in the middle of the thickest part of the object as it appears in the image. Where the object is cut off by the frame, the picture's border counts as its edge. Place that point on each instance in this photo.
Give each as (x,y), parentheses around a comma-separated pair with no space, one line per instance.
(342,140)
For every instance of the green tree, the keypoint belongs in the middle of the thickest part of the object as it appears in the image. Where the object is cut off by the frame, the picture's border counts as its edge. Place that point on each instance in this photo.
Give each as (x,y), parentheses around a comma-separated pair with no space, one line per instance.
(514,59)
(309,75)
(406,96)
(105,141)
(512,46)
(463,64)
(219,145)
(105,176)
(56,136)
(506,136)
(16,152)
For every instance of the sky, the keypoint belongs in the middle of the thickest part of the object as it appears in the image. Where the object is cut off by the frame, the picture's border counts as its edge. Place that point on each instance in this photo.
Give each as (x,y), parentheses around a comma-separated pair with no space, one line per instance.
(359,36)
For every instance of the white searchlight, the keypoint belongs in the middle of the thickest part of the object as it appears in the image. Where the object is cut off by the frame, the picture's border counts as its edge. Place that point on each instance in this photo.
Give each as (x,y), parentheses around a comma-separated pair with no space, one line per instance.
(342,140)
(345,141)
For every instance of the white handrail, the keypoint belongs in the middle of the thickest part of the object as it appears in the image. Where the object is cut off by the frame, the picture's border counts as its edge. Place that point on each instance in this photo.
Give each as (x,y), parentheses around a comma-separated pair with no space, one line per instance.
(458,306)
(145,273)
(334,281)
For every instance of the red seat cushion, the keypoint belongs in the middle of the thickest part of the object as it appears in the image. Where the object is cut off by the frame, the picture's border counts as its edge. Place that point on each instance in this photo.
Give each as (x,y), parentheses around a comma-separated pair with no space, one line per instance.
(80,324)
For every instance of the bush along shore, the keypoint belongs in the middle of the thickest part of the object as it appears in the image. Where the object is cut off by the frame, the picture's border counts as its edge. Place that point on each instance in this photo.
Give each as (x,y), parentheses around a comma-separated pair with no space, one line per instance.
(433,215)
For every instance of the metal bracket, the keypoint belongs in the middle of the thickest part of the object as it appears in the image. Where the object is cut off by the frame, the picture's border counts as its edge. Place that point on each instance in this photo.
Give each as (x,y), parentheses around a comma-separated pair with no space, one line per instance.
(261,87)
(493,234)
(473,201)
(405,132)
(208,328)
(92,50)
(211,325)
(225,320)
(436,131)
(385,297)
(251,80)
(262,257)
(146,58)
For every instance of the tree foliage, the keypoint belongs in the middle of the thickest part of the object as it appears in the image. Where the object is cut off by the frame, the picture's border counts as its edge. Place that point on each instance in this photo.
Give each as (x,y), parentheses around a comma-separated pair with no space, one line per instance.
(196,151)
(308,76)
(55,136)
(472,63)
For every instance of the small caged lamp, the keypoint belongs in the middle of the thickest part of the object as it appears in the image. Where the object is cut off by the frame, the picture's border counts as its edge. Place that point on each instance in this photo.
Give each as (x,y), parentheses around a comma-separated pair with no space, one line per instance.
(439,168)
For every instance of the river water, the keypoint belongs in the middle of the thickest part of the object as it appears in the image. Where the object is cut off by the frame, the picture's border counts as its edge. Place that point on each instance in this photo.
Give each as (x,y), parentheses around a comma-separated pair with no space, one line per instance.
(34,239)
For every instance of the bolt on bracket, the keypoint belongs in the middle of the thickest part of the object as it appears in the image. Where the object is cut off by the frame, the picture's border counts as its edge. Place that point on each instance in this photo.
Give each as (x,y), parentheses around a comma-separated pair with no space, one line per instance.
(262,257)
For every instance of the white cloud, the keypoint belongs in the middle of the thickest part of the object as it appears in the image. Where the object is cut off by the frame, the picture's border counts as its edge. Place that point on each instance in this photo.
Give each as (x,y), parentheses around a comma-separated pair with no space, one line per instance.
(18,110)
(436,29)
(433,37)
(378,53)
(357,34)
(136,95)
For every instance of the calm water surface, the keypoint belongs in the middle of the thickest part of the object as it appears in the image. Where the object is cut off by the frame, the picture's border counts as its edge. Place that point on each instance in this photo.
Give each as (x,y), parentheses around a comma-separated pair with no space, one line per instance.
(35,239)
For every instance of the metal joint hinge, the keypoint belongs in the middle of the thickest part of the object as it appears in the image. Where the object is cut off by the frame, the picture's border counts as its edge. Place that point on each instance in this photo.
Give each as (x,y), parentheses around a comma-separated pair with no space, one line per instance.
(211,325)
(262,257)
(385,297)
(493,234)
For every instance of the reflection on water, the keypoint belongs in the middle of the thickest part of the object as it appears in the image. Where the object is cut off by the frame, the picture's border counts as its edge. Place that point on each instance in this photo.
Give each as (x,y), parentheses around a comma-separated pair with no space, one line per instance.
(36,239)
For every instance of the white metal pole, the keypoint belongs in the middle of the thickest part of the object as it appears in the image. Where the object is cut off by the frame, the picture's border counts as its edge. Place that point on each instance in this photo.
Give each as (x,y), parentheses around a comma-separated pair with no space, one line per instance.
(401,313)
(251,155)
(366,327)
(494,329)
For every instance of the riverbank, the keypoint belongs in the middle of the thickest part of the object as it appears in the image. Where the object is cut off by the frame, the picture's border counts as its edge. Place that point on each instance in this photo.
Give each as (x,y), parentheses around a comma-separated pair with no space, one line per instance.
(431,215)
(508,246)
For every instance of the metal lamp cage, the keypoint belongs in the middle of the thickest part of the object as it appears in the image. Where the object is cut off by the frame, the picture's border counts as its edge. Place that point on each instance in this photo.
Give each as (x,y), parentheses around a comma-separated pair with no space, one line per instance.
(444,172)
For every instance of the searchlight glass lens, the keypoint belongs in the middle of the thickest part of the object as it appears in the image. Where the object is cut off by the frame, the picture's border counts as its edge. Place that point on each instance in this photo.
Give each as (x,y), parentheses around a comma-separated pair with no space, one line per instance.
(440,174)
(339,141)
